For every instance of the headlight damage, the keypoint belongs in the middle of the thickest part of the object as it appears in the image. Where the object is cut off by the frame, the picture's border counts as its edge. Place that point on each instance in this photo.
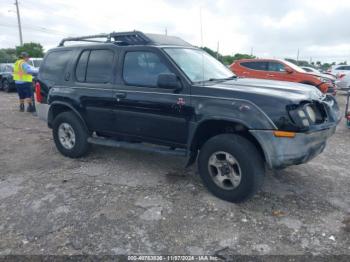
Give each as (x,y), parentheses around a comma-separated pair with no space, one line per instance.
(307,114)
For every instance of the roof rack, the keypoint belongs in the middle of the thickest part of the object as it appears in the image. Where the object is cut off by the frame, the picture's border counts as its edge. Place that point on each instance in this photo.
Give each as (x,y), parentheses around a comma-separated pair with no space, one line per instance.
(128,38)
(124,38)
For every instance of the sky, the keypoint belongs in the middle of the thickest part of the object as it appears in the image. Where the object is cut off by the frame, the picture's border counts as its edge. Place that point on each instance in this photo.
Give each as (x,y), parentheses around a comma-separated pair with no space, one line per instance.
(266,28)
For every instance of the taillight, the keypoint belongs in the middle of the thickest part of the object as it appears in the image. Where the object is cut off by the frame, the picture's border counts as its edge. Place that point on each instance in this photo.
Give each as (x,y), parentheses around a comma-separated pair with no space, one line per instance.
(347,116)
(340,76)
(39,97)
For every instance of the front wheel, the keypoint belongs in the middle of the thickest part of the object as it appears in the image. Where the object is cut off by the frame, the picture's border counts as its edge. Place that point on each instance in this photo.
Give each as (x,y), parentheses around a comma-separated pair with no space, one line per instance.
(70,135)
(231,167)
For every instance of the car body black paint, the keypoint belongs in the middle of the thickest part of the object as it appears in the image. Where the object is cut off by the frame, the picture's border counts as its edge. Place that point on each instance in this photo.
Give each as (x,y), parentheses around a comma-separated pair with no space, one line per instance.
(172,117)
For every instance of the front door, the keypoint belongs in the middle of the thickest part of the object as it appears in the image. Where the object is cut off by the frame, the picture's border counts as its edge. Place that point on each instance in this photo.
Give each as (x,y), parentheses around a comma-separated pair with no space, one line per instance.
(142,108)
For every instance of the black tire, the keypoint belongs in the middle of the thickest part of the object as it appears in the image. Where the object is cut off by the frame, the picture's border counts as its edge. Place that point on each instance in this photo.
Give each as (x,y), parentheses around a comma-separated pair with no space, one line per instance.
(6,86)
(81,145)
(252,168)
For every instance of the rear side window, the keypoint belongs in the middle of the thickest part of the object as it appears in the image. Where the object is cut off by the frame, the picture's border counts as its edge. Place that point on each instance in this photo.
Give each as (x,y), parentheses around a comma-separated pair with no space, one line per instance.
(55,65)
(142,68)
(95,66)
(261,66)
(343,68)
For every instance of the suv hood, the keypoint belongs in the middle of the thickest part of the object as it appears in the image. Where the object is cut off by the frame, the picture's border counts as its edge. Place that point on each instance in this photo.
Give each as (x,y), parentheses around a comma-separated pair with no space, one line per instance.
(294,92)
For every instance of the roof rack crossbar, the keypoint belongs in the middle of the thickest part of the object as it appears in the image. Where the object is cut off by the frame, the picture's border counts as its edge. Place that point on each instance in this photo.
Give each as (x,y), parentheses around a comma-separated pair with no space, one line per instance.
(129,38)
(88,38)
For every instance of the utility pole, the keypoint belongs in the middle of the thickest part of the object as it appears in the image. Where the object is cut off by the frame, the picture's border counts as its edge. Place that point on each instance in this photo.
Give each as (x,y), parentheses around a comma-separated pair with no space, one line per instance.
(19,23)
(217,50)
(166,31)
(298,56)
(201,24)
(251,51)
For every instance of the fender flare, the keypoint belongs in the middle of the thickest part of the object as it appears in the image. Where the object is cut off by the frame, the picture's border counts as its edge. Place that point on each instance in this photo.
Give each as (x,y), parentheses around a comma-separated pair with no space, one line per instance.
(194,126)
(60,103)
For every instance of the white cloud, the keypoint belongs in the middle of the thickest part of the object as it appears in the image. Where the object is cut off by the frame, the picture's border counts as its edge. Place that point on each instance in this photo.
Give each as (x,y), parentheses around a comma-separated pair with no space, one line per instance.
(272,27)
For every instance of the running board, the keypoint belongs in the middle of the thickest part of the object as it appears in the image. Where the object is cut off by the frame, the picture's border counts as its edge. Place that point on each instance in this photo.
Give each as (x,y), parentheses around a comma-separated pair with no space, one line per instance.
(137,146)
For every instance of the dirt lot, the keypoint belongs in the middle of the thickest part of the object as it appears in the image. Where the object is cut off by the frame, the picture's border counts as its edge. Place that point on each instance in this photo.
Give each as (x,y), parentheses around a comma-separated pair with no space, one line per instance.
(126,202)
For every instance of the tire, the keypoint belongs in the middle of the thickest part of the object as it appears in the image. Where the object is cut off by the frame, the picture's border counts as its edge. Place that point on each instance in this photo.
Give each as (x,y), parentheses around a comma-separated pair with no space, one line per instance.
(248,161)
(6,86)
(64,123)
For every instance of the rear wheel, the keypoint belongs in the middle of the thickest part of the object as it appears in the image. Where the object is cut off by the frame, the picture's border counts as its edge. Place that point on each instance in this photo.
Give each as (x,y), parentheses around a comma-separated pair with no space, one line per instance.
(231,167)
(70,135)
(6,86)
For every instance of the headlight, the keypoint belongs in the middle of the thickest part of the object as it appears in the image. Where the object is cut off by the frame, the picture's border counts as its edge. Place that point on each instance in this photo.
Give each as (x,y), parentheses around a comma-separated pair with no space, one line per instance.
(306,115)
(311,113)
(325,80)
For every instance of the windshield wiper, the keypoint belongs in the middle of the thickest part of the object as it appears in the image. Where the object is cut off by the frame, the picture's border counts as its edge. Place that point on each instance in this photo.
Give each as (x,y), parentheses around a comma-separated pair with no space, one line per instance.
(222,79)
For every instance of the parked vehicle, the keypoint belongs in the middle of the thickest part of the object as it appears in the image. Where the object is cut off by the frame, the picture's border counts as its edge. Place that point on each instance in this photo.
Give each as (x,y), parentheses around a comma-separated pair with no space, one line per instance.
(343,82)
(7,83)
(339,70)
(276,69)
(318,73)
(35,62)
(347,110)
(137,89)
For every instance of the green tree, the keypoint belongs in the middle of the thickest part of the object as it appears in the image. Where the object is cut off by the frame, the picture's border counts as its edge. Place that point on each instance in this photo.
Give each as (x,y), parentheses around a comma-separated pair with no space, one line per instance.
(7,55)
(226,59)
(33,49)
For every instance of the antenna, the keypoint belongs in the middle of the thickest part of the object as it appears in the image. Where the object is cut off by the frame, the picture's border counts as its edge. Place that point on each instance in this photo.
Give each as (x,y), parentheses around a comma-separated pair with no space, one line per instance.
(201,24)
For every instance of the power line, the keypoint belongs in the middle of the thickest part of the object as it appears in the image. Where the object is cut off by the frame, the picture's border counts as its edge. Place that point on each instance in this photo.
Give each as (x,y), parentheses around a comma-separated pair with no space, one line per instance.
(39,29)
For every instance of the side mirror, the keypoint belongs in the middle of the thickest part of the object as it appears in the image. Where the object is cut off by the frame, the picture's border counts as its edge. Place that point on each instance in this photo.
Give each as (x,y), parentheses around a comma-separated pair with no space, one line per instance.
(169,81)
(289,70)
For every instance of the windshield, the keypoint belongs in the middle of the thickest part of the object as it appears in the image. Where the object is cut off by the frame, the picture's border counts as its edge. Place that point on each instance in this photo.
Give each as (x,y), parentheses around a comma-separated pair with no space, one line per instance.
(198,65)
(37,62)
(294,66)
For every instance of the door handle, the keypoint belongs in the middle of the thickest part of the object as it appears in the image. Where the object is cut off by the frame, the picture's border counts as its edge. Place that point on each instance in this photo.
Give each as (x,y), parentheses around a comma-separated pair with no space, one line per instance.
(270,75)
(67,76)
(119,95)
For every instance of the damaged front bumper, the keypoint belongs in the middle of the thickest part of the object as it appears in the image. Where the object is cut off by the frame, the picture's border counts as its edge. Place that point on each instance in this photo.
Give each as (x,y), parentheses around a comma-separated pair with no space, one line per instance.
(282,152)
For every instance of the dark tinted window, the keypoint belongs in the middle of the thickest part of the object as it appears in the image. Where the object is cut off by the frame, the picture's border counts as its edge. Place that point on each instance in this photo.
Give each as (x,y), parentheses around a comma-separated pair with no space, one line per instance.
(262,66)
(55,65)
(143,68)
(9,68)
(80,71)
(343,68)
(37,62)
(99,68)
(276,67)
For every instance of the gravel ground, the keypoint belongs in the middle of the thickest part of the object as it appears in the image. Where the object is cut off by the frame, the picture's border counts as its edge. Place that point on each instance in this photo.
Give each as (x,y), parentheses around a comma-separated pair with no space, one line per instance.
(127,202)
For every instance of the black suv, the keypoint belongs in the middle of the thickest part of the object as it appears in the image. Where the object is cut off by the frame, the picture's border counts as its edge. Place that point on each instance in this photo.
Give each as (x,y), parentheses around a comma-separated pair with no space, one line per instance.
(139,90)
(7,83)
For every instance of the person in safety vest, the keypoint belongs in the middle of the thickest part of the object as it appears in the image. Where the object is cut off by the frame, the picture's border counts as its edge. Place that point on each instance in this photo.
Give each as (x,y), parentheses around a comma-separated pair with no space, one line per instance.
(22,74)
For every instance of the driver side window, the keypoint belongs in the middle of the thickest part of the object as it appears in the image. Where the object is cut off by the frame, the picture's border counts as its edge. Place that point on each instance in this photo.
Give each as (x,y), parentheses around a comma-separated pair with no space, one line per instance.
(276,67)
(141,68)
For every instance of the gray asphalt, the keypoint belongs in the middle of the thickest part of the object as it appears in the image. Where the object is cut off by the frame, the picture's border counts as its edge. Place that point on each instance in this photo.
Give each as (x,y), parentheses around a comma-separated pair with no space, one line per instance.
(125,202)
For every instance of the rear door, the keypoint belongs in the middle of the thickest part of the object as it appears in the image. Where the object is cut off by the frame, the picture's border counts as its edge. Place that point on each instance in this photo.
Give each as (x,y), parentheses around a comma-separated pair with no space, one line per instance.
(93,78)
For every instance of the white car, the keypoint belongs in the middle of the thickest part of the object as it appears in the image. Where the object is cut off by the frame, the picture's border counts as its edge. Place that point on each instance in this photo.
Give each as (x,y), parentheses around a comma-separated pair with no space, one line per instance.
(343,83)
(35,62)
(339,70)
(314,71)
